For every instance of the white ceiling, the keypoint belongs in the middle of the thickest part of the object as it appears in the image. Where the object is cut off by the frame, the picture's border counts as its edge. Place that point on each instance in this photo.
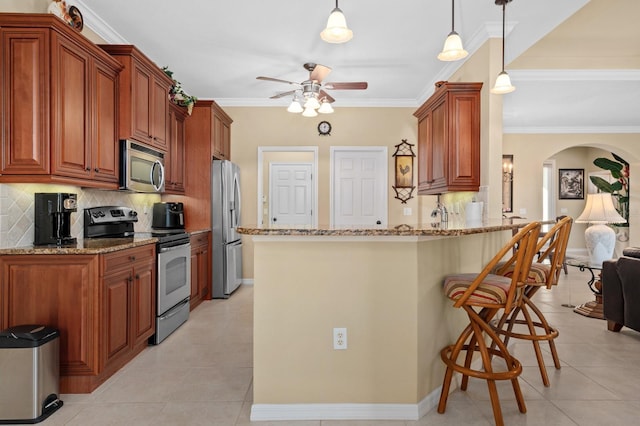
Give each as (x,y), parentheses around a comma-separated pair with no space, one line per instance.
(217,49)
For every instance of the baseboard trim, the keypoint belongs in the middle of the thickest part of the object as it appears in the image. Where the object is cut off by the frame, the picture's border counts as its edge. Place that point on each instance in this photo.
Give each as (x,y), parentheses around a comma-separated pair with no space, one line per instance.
(275,412)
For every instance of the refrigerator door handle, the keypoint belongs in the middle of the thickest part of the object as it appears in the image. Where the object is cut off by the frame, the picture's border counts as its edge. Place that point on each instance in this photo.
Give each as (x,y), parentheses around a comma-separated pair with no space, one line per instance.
(237,202)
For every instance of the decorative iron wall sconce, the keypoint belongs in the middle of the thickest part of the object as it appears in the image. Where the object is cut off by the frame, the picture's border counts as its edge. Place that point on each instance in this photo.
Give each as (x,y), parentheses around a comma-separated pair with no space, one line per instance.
(404,156)
(507,184)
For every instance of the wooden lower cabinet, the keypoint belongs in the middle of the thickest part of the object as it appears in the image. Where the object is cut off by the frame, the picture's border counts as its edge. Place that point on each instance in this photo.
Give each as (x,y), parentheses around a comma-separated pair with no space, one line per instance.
(129,294)
(200,269)
(103,306)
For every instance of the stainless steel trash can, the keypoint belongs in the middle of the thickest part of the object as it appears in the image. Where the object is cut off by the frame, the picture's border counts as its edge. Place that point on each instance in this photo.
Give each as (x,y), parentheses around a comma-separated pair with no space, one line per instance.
(30,373)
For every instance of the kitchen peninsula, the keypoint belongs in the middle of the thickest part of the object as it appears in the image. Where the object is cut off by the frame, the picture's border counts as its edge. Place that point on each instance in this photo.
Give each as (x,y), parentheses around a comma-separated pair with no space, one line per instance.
(383,285)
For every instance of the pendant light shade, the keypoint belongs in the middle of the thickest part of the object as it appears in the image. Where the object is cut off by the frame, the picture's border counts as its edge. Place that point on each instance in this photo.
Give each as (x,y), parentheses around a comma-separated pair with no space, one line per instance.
(503,81)
(452,50)
(336,30)
(503,84)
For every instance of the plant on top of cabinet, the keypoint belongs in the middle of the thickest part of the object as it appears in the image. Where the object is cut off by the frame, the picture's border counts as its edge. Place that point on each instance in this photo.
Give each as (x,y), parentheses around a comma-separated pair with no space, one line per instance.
(177,95)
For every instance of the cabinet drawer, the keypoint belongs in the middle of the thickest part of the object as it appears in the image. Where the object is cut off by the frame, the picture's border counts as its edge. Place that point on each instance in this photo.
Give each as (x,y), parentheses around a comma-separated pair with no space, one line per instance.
(126,258)
(200,239)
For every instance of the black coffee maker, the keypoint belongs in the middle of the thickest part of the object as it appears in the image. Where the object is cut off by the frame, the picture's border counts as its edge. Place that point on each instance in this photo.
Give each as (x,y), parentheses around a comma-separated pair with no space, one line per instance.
(53,218)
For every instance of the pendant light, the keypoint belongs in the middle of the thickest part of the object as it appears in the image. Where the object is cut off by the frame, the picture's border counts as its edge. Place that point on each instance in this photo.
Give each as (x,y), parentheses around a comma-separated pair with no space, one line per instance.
(336,30)
(503,82)
(452,50)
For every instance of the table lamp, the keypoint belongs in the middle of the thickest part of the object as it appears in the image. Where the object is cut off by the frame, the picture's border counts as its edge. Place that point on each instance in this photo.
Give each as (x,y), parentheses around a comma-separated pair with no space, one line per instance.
(600,238)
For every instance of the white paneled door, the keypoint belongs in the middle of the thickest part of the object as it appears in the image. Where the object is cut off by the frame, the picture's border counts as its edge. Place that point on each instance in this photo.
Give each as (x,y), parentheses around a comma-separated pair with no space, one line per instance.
(291,192)
(359,186)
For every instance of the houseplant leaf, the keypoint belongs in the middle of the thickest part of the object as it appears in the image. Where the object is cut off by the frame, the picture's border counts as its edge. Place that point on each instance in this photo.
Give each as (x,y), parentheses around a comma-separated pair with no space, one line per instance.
(606,164)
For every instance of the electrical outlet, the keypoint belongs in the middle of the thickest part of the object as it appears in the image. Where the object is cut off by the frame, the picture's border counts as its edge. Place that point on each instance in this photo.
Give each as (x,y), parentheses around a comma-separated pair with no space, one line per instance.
(340,338)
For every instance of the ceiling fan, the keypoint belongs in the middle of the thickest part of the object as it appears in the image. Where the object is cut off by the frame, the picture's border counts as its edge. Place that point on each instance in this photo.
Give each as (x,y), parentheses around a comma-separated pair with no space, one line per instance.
(312,90)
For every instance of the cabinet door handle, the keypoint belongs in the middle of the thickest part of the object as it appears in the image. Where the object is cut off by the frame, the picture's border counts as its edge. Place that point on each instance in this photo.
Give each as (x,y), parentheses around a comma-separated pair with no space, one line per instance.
(88,169)
(132,258)
(130,279)
(137,276)
(96,170)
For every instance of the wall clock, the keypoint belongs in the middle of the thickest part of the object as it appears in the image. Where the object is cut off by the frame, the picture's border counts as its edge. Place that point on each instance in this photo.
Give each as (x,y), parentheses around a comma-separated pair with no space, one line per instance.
(324,128)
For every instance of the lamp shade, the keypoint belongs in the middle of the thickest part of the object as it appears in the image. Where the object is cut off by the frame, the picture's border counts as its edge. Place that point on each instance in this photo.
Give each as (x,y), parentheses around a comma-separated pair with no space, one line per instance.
(599,238)
(325,108)
(503,84)
(452,50)
(600,209)
(295,106)
(336,30)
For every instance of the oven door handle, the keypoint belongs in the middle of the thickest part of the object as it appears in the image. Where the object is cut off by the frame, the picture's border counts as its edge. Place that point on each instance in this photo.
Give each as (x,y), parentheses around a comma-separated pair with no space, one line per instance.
(181,246)
(175,309)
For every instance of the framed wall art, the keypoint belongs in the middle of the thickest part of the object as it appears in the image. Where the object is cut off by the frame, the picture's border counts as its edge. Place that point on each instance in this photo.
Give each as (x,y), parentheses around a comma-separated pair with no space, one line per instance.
(571,184)
(404,156)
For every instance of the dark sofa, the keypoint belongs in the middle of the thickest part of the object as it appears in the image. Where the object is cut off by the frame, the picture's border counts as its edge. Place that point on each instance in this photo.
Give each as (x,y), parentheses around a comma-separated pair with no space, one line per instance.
(621,290)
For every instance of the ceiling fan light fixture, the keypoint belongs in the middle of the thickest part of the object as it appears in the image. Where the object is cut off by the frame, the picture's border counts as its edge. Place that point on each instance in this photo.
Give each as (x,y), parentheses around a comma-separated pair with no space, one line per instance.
(312,102)
(325,107)
(452,50)
(503,84)
(309,112)
(295,106)
(336,30)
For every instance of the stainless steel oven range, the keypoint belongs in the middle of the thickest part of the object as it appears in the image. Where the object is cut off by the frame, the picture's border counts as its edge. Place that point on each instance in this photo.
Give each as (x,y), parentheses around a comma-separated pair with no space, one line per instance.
(173,263)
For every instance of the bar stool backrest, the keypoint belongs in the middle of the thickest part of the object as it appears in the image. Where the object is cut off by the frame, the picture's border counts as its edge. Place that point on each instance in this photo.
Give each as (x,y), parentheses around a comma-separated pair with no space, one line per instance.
(523,248)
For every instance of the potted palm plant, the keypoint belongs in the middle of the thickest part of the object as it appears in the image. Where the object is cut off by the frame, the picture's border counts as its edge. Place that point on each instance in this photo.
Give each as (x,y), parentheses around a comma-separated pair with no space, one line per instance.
(619,189)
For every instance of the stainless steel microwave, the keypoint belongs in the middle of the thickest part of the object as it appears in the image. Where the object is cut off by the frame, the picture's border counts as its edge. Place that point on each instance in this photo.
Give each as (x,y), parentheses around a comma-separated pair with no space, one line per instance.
(141,167)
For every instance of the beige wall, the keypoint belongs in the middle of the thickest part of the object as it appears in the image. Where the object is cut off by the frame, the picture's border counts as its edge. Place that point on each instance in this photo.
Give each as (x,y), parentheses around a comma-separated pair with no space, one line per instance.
(274,126)
(569,151)
(387,292)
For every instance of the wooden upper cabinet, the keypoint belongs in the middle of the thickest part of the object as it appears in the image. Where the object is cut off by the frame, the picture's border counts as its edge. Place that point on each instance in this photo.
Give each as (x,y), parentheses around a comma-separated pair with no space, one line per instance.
(60,115)
(174,166)
(221,143)
(143,97)
(449,139)
(25,101)
(209,122)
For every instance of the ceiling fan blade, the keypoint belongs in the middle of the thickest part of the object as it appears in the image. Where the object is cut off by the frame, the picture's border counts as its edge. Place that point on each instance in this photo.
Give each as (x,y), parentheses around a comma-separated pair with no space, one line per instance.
(276,80)
(318,73)
(325,95)
(283,94)
(354,85)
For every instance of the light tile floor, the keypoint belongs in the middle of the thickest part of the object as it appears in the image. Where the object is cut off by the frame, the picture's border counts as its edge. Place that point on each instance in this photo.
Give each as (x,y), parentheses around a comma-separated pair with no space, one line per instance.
(202,375)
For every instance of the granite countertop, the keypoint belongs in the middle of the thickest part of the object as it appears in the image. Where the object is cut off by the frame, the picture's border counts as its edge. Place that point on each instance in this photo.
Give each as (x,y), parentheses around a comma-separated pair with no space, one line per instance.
(84,246)
(451,228)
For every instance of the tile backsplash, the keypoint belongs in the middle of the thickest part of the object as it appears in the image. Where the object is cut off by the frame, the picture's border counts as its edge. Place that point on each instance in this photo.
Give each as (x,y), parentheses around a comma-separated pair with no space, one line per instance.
(17,200)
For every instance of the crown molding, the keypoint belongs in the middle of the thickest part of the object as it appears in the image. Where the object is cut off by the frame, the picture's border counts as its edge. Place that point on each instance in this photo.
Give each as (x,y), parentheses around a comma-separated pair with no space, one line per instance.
(570,130)
(98,25)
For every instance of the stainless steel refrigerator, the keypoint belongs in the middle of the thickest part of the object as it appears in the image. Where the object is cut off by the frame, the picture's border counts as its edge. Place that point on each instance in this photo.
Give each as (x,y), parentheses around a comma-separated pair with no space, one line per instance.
(226,252)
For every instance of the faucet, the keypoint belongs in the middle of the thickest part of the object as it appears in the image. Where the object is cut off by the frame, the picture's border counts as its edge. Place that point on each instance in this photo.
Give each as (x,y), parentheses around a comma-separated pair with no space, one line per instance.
(442,210)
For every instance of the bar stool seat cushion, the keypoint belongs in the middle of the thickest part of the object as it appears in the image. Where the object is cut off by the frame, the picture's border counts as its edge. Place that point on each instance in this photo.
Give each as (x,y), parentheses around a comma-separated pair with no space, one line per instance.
(537,274)
(492,290)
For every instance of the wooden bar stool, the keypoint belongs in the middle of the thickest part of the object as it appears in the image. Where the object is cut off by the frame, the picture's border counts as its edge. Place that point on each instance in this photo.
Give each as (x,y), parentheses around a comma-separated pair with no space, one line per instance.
(552,245)
(482,295)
